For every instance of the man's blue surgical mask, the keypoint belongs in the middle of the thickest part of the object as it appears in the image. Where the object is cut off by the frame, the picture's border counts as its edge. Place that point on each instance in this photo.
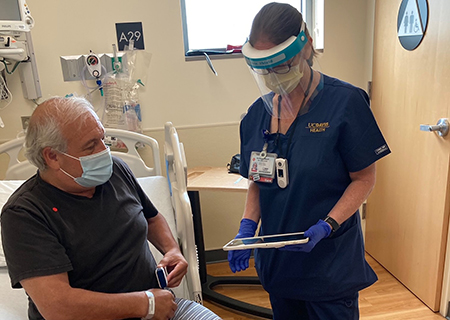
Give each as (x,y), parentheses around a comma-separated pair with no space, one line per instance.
(97,168)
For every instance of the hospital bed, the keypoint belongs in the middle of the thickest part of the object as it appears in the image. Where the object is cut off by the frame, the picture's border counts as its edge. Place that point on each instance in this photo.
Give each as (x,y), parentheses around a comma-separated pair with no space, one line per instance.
(169,195)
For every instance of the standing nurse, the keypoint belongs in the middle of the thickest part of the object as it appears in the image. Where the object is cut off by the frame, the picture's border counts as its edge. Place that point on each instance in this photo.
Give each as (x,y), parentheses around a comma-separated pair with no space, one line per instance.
(314,142)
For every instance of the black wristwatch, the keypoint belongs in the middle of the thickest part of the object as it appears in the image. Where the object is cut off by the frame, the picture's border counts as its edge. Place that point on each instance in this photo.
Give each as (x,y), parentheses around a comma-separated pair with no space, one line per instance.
(334,224)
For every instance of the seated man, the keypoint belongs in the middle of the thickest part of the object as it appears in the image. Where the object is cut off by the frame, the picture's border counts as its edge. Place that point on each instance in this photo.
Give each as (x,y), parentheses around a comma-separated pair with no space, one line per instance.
(75,234)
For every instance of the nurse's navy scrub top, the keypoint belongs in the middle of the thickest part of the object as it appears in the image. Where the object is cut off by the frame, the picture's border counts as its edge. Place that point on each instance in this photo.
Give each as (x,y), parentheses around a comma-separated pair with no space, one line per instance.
(338,135)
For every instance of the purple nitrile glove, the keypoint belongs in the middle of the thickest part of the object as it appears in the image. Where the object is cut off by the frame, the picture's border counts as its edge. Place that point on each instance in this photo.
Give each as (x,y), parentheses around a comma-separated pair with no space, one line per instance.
(315,233)
(238,259)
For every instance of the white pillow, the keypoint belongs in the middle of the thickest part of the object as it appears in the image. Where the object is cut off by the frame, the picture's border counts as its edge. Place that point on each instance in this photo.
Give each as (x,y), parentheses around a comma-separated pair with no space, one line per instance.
(157,189)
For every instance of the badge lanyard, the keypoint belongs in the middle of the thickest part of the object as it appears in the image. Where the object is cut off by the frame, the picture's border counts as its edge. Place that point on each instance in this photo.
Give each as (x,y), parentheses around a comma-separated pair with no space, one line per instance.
(281,161)
(264,165)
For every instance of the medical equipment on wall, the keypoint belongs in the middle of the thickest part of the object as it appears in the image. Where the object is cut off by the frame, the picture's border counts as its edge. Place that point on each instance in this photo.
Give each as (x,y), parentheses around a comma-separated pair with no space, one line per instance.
(15,16)
(93,66)
(5,93)
(118,76)
(74,67)
(16,47)
(122,108)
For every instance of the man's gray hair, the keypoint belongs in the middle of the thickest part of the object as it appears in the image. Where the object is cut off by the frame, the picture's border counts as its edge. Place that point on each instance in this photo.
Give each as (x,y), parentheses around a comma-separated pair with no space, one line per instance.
(47,125)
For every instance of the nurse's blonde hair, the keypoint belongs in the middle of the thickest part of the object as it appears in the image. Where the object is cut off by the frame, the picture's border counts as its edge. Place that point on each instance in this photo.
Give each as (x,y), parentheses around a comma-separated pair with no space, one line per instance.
(275,23)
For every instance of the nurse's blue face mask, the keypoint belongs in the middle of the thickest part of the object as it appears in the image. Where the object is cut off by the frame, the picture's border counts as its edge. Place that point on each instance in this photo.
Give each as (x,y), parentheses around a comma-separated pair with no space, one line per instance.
(97,168)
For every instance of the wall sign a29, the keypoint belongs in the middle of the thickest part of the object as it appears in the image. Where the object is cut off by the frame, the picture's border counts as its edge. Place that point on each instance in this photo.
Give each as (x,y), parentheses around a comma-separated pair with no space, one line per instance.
(130,31)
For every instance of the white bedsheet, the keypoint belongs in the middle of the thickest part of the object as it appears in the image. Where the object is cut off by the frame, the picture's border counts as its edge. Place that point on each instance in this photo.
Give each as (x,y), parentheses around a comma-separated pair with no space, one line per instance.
(6,189)
(13,302)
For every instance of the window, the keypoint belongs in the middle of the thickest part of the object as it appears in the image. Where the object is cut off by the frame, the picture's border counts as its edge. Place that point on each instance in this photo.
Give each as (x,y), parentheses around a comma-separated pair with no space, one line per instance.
(211,26)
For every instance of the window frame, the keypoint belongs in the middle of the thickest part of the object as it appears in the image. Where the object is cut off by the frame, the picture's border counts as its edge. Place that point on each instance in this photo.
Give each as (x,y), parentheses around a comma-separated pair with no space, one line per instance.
(306,6)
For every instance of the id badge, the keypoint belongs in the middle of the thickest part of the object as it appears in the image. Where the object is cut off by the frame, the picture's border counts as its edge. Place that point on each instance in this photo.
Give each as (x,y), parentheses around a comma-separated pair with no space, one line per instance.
(261,168)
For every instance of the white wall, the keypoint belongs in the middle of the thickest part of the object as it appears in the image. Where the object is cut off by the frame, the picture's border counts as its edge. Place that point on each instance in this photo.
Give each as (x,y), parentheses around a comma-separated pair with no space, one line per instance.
(187,93)
(348,42)
(184,92)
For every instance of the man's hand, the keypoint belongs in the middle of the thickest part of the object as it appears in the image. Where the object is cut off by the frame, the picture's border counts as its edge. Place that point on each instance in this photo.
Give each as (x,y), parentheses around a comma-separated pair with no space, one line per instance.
(176,266)
(165,305)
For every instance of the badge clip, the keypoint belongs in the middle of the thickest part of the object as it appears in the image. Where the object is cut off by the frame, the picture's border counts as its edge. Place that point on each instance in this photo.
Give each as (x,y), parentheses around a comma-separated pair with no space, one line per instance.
(263,153)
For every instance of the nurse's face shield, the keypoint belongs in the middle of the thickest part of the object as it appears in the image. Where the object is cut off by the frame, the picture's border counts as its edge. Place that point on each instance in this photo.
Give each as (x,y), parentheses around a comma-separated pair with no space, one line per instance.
(278,71)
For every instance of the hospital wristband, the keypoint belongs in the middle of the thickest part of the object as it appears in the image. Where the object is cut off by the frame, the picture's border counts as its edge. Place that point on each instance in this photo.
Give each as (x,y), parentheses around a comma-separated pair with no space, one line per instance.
(151,306)
(333,223)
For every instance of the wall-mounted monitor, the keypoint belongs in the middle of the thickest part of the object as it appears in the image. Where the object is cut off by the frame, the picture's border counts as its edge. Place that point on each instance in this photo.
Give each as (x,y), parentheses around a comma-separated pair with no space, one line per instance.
(15,16)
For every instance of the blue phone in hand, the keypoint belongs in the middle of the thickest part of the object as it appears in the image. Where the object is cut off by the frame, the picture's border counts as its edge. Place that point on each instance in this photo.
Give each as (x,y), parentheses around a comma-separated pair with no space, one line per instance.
(161,276)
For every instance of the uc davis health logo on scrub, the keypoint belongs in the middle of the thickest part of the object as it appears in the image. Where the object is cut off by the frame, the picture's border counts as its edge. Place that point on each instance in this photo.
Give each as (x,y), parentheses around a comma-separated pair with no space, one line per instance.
(316,127)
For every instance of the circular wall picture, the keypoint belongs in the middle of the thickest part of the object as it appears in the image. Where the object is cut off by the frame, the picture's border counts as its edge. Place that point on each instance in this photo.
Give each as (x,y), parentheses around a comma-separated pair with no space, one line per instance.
(412,22)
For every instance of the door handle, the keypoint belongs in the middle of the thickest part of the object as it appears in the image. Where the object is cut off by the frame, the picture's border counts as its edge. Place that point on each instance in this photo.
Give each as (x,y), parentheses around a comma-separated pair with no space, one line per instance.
(441,127)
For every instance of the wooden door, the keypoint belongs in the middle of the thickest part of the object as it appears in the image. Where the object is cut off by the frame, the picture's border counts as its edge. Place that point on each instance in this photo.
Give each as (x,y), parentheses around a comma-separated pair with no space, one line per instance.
(407,213)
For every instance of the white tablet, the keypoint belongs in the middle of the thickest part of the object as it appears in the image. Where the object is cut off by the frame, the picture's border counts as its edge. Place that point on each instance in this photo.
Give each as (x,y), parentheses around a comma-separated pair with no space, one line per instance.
(272,241)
